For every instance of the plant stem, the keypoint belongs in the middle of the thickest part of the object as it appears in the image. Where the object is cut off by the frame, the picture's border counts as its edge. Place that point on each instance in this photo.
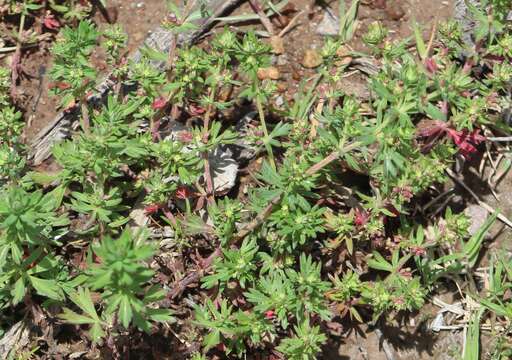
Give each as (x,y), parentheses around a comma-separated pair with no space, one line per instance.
(257,8)
(85,116)
(17,55)
(260,218)
(210,188)
(261,114)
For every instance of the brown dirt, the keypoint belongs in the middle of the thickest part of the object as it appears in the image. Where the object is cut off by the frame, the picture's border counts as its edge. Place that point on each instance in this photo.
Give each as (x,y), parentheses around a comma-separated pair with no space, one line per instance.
(137,17)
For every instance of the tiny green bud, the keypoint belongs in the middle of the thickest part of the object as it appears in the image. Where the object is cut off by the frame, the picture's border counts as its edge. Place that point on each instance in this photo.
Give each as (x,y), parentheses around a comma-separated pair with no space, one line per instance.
(376,34)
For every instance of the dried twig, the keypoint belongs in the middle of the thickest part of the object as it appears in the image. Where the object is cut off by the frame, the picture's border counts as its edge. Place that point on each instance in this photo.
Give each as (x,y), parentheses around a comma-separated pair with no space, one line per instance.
(500,139)
(258,9)
(388,351)
(490,209)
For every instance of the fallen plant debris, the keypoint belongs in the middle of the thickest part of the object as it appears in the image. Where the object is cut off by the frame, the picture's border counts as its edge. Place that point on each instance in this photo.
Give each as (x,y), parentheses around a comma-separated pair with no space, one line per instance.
(144,227)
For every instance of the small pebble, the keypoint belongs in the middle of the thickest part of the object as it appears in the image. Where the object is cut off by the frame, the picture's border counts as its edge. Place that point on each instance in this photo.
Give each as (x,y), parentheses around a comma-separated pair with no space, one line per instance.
(277,45)
(477,216)
(395,11)
(270,72)
(312,59)
(330,24)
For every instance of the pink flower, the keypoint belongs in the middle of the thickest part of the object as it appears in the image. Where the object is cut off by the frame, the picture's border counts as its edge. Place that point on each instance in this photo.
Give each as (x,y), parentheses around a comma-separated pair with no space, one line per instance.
(468,65)
(50,22)
(430,65)
(159,103)
(151,209)
(418,250)
(183,193)
(195,110)
(186,137)
(270,314)
(361,217)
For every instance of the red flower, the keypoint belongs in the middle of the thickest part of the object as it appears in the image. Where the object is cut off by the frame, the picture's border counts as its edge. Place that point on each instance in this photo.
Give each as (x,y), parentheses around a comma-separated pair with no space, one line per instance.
(185,137)
(361,217)
(159,103)
(60,85)
(430,64)
(151,209)
(50,22)
(195,110)
(183,193)
(221,347)
(465,141)
(418,250)
(270,314)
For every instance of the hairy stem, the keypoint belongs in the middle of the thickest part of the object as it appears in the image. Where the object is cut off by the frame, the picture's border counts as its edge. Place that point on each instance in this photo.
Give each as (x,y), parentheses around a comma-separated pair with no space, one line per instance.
(268,147)
(17,56)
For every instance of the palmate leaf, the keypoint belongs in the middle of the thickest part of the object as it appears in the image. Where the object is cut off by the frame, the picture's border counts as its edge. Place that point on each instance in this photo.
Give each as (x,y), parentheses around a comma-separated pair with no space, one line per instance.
(82,298)
(125,311)
(48,288)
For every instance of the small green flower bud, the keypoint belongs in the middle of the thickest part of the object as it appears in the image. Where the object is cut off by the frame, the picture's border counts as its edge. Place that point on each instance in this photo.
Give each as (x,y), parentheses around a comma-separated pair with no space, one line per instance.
(376,34)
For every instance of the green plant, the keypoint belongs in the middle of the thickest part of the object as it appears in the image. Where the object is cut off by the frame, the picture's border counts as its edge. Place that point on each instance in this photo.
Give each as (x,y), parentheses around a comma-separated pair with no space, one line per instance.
(236,265)
(120,277)
(306,343)
(29,227)
(74,75)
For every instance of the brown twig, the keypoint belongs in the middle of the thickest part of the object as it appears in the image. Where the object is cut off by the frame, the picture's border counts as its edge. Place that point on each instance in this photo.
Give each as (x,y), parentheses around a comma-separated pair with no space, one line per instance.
(491,210)
(85,115)
(194,277)
(291,24)
(258,9)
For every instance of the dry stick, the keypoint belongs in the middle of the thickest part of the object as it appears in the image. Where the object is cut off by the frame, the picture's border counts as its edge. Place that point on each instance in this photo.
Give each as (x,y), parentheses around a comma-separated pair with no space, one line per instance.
(256,6)
(85,115)
(480,202)
(291,23)
(500,139)
(194,276)
(388,351)
(431,40)
(210,188)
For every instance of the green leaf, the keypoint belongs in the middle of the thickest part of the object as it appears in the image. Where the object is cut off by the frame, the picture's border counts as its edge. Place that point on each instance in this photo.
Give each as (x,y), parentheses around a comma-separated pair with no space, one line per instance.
(379,263)
(211,339)
(125,311)
(472,247)
(153,54)
(472,345)
(59,8)
(42,178)
(160,315)
(75,318)
(420,44)
(18,292)
(48,288)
